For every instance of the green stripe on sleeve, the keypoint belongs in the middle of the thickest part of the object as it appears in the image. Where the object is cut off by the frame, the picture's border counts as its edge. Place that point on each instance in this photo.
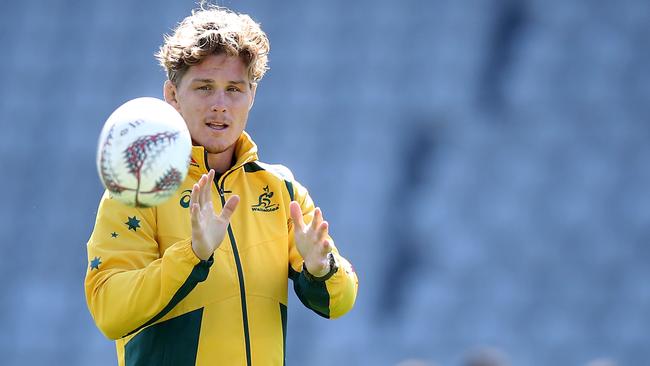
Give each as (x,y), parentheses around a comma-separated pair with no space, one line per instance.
(312,294)
(283,316)
(199,274)
(173,342)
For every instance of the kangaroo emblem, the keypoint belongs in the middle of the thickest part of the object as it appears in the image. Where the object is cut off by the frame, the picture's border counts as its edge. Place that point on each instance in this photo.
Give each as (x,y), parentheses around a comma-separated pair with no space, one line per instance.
(264,202)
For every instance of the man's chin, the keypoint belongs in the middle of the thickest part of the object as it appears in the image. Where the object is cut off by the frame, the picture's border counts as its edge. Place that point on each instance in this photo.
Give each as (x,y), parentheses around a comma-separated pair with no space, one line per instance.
(218,149)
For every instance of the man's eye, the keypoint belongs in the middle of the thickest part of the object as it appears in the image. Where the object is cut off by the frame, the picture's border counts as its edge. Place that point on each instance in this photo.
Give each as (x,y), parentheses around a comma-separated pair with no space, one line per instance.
(204,87)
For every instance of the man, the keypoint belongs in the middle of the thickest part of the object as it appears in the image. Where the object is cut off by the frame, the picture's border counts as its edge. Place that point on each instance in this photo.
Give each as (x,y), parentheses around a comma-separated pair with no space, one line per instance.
(202,279)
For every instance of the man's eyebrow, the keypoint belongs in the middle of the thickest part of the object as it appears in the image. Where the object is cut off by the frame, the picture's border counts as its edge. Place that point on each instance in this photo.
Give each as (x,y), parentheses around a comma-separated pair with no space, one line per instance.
(208,81)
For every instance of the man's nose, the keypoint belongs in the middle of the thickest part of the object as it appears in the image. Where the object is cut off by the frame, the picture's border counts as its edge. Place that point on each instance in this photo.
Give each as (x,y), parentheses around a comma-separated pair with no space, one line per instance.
(219,102)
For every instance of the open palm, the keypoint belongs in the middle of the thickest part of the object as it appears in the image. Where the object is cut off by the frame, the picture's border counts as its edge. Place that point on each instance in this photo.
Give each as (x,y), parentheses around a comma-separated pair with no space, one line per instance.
(208,227)
(312,240)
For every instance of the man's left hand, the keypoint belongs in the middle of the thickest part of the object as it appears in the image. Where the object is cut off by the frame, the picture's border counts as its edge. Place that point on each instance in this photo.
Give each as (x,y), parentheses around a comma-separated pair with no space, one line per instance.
(312,240)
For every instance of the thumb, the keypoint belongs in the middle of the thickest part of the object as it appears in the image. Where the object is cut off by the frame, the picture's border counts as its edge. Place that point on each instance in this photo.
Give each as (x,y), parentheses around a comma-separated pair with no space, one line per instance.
(296,215)
(230,207)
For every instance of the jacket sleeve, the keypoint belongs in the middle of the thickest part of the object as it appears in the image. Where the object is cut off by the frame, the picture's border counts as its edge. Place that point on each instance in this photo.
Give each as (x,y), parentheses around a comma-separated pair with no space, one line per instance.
(129,284)
(335,296)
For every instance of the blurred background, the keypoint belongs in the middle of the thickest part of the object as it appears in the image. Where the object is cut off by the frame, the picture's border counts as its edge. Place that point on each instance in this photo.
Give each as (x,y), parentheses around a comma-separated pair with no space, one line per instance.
(483,164)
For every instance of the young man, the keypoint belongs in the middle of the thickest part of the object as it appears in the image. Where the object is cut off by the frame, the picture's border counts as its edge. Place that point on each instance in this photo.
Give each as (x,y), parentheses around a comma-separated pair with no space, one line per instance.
(202,279)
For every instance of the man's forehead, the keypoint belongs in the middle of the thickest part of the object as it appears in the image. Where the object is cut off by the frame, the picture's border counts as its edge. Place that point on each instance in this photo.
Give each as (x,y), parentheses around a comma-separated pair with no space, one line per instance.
(218,67)
(221,61)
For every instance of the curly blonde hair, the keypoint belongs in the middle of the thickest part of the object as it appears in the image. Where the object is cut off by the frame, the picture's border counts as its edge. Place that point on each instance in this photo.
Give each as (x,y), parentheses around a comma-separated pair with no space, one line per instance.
(214,30)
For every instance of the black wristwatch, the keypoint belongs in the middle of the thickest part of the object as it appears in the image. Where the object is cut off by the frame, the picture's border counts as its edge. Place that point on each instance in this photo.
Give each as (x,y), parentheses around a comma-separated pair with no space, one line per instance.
(333,268)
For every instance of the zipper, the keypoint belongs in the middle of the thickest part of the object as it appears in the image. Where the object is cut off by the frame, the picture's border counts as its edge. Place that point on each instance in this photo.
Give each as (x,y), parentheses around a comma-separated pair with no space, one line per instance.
(240,271)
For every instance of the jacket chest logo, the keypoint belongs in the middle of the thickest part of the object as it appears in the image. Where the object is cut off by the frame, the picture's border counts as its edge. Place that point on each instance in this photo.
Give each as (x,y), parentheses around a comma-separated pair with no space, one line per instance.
(264,203)
(185,198)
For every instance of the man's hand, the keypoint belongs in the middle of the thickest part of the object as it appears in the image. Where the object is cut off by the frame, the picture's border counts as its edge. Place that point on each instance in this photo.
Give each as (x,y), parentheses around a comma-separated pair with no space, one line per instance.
(208,228)
(311,240)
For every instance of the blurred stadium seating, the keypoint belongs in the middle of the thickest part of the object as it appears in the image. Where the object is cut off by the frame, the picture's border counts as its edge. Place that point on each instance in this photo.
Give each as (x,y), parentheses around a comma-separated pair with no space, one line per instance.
(484,165)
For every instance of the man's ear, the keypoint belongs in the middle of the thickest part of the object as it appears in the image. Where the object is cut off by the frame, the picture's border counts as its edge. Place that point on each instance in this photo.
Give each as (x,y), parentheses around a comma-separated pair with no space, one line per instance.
(253,90)
(170,93)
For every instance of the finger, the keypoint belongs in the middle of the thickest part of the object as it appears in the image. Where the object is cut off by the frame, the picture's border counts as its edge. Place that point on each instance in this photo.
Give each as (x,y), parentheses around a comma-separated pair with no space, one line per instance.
(205,186)
(317,220)
(326,246)
(207,190)
(321,232)
(296,215)
(194,196)
(229,207)
(199,185)
(194,214)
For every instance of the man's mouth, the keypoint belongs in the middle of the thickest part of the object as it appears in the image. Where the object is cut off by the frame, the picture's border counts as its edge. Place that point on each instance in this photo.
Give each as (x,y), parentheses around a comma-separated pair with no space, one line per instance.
(217,126)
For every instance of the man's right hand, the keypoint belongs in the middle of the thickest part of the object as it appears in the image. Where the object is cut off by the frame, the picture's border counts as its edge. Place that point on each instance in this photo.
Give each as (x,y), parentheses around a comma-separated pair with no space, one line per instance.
(208,228)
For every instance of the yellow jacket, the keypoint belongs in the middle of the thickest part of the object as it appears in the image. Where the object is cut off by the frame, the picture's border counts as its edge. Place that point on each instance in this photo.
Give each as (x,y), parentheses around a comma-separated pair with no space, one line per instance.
(146,288)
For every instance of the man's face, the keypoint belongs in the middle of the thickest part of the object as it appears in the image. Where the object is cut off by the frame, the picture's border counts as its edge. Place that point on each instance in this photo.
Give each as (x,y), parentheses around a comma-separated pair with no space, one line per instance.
(214,97)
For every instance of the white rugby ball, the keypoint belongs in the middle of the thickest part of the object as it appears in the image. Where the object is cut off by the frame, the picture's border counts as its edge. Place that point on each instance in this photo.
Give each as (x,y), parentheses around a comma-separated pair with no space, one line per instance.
(143,152)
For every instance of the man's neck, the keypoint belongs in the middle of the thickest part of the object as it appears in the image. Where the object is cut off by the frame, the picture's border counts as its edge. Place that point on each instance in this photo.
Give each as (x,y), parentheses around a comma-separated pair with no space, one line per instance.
(222,161)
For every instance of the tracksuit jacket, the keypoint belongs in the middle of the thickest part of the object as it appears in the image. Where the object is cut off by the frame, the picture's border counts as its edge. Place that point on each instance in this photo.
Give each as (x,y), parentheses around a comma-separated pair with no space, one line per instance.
(146,288)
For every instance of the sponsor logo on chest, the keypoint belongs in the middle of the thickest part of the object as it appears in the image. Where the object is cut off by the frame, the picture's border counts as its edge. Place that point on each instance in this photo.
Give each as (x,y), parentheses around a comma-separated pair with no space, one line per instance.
(264,202)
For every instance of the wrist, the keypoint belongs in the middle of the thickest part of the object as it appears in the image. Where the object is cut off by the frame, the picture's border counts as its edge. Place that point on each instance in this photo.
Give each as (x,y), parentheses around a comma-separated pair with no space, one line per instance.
(325,272)
(317,271)
(200,254)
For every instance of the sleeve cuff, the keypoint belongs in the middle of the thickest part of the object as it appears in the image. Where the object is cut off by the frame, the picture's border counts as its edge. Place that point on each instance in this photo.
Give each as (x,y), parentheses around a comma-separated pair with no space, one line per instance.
(189,254)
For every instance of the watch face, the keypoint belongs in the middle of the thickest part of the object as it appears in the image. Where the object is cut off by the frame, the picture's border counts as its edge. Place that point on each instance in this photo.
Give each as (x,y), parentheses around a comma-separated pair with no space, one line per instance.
(333,264)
